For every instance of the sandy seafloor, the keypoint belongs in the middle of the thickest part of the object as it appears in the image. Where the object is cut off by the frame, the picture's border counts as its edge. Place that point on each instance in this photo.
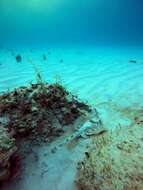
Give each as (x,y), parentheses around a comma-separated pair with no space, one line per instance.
(102,76)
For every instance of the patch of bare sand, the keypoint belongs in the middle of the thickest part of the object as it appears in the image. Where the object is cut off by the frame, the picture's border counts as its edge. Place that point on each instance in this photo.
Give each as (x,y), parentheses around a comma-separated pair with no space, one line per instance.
(114,160)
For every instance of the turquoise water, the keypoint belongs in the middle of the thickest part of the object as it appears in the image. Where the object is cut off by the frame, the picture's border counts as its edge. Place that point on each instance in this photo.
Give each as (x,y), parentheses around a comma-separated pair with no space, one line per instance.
(61,22)
(89,46)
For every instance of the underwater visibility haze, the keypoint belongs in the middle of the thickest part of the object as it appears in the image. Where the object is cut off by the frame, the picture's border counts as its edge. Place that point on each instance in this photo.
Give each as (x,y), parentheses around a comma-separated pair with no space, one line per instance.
(62,21)
(71,94)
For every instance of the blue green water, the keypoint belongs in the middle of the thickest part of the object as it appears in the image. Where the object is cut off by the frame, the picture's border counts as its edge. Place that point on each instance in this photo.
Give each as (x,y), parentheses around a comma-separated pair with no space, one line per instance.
(96,22)
(96,41)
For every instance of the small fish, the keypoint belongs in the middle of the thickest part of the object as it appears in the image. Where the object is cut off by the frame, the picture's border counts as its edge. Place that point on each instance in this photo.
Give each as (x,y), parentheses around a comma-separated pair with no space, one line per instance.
(44,57)
(133,61)
(61,60)
(18,58)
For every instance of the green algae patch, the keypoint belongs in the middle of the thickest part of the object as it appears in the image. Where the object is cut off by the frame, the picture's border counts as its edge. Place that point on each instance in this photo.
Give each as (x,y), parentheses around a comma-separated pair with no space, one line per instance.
(114,161)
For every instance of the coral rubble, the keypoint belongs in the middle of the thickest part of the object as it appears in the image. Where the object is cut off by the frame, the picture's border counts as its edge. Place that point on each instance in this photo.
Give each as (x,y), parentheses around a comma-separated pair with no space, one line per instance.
(39,110)
(7,150)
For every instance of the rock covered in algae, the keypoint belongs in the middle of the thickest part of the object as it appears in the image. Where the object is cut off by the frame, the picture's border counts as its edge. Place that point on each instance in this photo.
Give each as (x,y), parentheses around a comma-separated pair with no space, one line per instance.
(7,149)
(39,111)
(113,162)
(37,107)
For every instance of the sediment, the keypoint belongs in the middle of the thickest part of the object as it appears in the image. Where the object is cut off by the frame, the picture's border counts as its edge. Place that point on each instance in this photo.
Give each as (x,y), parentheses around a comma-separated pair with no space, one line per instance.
(113,161)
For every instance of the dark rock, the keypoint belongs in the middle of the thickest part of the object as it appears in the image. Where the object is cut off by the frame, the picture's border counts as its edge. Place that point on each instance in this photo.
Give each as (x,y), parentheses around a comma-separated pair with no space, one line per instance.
(87,154)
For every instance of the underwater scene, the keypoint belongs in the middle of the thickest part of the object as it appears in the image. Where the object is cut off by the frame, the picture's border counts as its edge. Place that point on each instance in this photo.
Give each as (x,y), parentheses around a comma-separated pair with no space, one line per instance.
(71,95)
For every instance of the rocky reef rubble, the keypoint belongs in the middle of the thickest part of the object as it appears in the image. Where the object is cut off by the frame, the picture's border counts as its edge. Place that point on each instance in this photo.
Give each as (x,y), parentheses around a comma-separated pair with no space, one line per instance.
(39,111)
(7,150)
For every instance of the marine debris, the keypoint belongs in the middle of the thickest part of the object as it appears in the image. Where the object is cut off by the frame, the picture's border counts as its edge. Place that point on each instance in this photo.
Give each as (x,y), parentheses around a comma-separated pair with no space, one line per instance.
(39,111)
(18,58)
(113,161)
